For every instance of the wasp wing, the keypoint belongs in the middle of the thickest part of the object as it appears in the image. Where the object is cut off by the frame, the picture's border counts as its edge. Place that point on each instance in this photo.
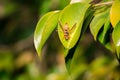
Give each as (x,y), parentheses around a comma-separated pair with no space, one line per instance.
(73,28)
(61,25)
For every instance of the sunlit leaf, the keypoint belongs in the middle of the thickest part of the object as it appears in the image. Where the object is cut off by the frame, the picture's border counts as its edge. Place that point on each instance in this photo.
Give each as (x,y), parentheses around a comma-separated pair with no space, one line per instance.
(97,23)
(115,12)
(116,38)
(74,53)
(44,28)
(72,14)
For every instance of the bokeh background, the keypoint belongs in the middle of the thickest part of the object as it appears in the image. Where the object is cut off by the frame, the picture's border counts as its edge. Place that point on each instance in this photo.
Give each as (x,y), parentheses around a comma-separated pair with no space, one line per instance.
(18,57)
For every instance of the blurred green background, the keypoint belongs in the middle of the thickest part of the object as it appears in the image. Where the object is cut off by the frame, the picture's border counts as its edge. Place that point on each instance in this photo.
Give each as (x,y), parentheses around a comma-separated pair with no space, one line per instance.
(18,57)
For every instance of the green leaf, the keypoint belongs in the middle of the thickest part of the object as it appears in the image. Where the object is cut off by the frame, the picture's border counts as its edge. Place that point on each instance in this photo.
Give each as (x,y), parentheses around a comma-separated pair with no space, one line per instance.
(74,53)
(87,20)
(44,28)
(108,45)
(104,35)
(72,14)
(97,23)
(116,38)
(106,28)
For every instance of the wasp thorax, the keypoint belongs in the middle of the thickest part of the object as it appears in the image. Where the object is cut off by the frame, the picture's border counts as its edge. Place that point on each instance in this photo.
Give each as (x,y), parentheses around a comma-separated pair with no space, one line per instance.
(66,30)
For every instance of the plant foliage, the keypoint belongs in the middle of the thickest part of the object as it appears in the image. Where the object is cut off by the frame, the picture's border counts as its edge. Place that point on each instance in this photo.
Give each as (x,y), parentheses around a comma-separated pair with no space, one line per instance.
(72,22)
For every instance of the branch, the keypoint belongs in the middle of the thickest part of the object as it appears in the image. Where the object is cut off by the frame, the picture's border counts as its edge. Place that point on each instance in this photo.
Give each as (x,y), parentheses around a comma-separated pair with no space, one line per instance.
(102,4)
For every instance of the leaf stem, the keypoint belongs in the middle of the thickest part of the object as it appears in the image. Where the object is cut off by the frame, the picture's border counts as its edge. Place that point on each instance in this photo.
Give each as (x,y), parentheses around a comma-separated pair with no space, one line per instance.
(102,4)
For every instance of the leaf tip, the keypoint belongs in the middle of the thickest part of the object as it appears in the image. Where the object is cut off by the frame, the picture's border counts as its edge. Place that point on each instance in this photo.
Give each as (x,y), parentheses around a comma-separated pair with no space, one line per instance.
(39,53)
(66,52)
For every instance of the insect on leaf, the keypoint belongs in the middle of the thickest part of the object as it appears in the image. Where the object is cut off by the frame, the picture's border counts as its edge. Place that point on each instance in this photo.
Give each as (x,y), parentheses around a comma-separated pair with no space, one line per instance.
(73,15)
(66,30)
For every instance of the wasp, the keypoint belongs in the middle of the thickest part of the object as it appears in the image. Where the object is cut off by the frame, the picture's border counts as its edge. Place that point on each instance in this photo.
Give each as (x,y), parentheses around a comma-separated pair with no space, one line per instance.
(66,30)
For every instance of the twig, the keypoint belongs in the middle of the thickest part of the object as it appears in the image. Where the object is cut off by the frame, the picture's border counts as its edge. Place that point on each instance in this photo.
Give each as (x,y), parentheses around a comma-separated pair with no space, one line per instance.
(104,3)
